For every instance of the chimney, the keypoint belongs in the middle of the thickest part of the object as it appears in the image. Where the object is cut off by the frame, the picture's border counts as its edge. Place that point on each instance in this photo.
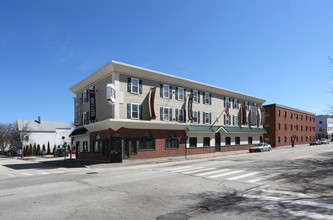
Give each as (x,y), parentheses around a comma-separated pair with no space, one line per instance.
(38,119)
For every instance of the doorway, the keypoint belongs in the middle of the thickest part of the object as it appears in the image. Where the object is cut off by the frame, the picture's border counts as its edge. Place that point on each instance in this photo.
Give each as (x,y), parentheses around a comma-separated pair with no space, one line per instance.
(217,142)
(115,150)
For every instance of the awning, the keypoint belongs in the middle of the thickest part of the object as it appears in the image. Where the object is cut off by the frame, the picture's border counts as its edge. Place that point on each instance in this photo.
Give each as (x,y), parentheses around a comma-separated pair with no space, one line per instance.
(203,128)
(237,129)
(78,131)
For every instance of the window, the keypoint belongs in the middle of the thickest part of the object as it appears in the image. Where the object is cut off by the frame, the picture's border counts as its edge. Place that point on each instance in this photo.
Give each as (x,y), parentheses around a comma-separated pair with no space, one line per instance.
(279,126)
(291,127)
(193,142)
(134,111)
(172,142)
(206,117)
(301,117)
(147,142)
(167,114)
(246,104)
(301,127)
(195,96)
(85,118)
(249,140)
(206,141)
(236,103)
(237,140)
(296,116)
(196,116)
(320,122)
(180,93)
(180,115)
(266,114)
(85,146)
(226,102)
(98,144)
(279,140)
(285,139)
(166,91)
(291,115)
(84,96)
(131,145)
(235,119)
(285,114)
(134,85)
(285,127)
(227,141)
(278,113)
(207,98)
(226,120)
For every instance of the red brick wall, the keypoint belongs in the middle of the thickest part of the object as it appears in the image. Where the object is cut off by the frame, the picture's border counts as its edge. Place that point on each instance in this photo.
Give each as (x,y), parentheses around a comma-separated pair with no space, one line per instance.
(273,120)
(238,147)
(200,150)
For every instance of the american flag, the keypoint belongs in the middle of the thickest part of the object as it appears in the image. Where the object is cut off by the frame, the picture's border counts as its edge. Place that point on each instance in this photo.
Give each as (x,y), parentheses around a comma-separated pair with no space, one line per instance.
(226,111)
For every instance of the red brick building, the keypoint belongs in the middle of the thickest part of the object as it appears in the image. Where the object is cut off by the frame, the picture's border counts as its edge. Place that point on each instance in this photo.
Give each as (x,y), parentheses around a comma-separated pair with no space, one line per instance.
(285,124)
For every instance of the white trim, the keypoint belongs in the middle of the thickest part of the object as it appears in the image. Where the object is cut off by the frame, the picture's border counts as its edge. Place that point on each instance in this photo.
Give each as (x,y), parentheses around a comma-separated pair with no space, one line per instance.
(169,109)
(135,79)
(181,88)
(197,121)
(197,101)
(132,110)
(168,96)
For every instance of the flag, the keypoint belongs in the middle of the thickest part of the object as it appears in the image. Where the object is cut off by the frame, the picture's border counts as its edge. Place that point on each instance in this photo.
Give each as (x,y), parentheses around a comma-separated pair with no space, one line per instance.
(226,111)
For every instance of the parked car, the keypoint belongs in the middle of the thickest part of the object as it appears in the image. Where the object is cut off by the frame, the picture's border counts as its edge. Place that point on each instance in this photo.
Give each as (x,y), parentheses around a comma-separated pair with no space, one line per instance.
(60,152)
(315,142)
(324,141)
(261,147)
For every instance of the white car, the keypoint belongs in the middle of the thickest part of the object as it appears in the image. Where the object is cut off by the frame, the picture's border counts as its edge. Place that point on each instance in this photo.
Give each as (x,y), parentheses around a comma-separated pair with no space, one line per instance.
(261,147)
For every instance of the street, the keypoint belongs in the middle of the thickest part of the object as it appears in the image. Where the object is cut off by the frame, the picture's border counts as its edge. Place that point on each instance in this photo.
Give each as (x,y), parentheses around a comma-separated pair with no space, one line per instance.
(285,183)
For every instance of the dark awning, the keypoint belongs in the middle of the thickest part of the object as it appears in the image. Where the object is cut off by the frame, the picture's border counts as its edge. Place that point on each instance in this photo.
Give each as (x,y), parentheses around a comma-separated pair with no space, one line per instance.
(237,129)
(203,128)
(78,131)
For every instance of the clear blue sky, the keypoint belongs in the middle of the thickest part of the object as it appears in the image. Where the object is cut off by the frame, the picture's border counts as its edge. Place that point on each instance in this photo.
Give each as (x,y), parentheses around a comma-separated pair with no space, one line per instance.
(276,50)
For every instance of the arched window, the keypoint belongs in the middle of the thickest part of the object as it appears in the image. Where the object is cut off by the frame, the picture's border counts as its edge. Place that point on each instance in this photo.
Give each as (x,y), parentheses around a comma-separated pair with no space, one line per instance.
(147,142)
(172,142)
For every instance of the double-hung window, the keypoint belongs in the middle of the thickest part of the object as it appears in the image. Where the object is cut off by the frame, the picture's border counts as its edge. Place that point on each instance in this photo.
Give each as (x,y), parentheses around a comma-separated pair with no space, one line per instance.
(85,146)
(226,120)
(236,103)
(195,96)
(181,93)
(246,104)
(226,102)
(196,117)
(84,96)
(85,118)
(180,115)
(134,85)
(207,99)
(167,114)
(207,117)
(134,111)
(235,118)
(166,91)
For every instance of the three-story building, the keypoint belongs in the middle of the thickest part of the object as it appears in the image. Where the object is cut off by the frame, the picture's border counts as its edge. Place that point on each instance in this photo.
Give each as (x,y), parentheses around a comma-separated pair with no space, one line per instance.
(123,111)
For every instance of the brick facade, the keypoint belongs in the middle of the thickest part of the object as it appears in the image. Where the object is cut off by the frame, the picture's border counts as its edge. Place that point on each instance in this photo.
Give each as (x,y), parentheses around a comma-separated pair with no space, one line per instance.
(282,127)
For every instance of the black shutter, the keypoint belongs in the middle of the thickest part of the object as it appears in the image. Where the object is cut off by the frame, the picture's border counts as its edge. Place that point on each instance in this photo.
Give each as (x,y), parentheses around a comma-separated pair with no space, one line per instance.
(161,90)
(210,98)
(210,118)
(140,86)
(170,90)
(170,114)
(176,93)
(177,115)
(225,102)
(184,94)
(184,115)
(161,113)
(199,117)
(198,96)
(129,110)
(129,84)
(140,112)
(203,118)
(224,119)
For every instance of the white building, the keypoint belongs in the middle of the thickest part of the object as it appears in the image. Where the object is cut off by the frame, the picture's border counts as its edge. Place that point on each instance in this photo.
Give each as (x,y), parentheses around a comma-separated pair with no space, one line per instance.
(44,132)
(324,126)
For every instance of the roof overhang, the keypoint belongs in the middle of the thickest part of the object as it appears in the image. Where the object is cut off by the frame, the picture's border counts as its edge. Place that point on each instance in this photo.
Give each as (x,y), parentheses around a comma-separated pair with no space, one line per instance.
(116,124)
(78,132)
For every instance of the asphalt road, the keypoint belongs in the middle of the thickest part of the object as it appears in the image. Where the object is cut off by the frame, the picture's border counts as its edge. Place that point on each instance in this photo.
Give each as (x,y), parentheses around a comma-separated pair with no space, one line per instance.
(286,183)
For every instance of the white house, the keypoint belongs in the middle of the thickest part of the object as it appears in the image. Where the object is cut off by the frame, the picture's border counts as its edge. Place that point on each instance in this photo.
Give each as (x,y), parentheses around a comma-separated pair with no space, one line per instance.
(44,132)
(324,126)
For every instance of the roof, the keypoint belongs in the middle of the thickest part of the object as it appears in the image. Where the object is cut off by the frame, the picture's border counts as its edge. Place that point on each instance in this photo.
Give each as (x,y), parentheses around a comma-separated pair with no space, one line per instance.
(33,125)
(289,108)
(203,128)
(78,131)
(140,72)
(227,129)
(237,129)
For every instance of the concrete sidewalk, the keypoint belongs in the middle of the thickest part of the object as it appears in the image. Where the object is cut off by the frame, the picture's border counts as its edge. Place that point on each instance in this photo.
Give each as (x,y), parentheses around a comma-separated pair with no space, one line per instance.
(133,162)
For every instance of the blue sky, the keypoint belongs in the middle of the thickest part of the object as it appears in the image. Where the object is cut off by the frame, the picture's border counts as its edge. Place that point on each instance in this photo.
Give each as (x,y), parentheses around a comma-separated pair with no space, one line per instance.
(276,50)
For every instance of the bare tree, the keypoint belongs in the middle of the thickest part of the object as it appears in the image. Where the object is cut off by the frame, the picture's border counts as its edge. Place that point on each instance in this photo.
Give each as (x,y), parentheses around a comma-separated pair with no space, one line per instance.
(4,137)
(21,134)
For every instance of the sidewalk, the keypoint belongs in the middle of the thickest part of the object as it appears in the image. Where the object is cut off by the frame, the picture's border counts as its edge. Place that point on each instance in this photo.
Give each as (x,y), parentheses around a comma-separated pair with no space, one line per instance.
(59,161)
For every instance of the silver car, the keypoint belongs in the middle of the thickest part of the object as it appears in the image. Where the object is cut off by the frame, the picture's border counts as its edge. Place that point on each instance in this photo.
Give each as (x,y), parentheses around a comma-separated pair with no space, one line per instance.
(261,147)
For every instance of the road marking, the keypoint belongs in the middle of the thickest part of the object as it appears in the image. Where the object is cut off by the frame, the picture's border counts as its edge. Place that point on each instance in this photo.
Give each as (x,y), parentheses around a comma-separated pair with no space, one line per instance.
(226,174)
(299,213)
(291,201)
(187,169)
(44,173)
(11,175)
(199,170)
(175,168)
(26,174)
(288,193)
(212,172)
(262,178)
(242,176)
